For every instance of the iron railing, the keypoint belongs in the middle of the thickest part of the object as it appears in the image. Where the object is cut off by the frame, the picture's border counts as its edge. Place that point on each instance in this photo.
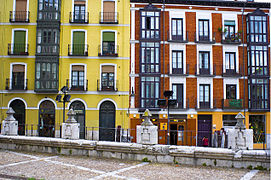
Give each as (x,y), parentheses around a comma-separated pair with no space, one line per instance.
(227,38)
(232,72)
(80,18)
(179,71)
(201,37)
(77,85)
(205,71)
(205,105)
(232,103)
(16,85)
(18,49)
(108,50)
(107,85)
(78,49)
(19,16)
(109,17)
(183,38)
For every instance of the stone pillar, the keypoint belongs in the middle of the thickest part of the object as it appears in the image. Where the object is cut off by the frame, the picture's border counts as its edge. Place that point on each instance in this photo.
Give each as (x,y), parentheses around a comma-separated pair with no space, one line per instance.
(147,133)
(10,125)
(70,129)
(239,137)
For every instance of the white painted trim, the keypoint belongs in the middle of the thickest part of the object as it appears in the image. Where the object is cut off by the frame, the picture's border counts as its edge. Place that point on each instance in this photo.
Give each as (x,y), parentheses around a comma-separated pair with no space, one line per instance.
(85,74)
(230,17)
(116,42)
(233,81)
(207,16)
(45,99)
(10,73)
(86,10)
(179,15)
(228,48)
(102,7)
(115,73)
(179,80)
(78,99)
(209,48)
(177,47)
(78,30)
(17,98)
(107,99)
(132,24)
(26,37)
(209,81)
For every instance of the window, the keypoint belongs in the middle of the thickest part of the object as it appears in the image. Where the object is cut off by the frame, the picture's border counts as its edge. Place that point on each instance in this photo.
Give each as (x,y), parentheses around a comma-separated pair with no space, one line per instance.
(19,46)
(178,94)
(230,63)
(258,60)
(108,46)
(257,28)
(257,123)
(204,62)
(47,41)
(204,30)
(79,11)
(20,14)
(48,10)
(258,93)
(150,57)
(108,78)
(177,62)
(204,95)
(150,87)
(150,24)
(78,80)
(230,91)
(177,29)
(229,120)
(46,75)
(109,15)
(18,77)
(78,46)
(229,29)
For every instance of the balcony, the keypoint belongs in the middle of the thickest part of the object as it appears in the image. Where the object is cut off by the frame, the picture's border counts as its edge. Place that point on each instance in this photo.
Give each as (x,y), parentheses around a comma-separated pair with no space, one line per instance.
(231,38)
(108,50)
(107,85)
(257,105)
(178,38)
(19,16)
(179,71)
(205,72)
(232,103)
(79,18)
(16,85)
(206,105)
(77,85)
(181,106)
(204,39)
(109,17)
(231,72)
(78,49)
(18,49)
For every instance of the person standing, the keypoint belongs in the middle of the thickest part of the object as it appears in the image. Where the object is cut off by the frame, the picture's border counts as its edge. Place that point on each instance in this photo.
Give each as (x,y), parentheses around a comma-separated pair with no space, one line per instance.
(205,141)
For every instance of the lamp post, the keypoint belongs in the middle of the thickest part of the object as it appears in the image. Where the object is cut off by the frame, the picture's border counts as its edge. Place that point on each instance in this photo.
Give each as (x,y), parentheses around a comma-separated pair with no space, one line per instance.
(169,102)
(66,98)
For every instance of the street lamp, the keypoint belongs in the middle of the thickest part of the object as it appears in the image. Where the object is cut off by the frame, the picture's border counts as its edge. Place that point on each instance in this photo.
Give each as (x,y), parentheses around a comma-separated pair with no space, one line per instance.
(169,102)
(66,98)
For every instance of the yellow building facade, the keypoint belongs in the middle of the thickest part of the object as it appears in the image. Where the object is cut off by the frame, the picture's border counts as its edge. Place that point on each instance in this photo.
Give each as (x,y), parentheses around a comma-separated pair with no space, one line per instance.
(79,44)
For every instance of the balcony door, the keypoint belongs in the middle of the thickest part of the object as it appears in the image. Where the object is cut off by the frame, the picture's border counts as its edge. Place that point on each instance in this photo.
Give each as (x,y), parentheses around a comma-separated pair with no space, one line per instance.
(78,46)
(178,94)
(18,80)
(204,96)
(230,63)
(107,121)
(77,81)
(108,46)
(19,42)
(204,63)
(108,78)
(79,11)
(20,11)
(204,30)
(108,14)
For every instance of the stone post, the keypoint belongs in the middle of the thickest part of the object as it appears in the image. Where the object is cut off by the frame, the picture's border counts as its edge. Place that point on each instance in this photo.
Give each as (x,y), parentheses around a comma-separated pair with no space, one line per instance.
(10,125)
(70,129)
(239,137)
(147,133)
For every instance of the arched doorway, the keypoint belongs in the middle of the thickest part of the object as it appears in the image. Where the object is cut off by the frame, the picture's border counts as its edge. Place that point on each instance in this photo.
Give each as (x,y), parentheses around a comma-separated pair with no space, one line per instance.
(19,108)
(107,121)
(46,119)
(79,109)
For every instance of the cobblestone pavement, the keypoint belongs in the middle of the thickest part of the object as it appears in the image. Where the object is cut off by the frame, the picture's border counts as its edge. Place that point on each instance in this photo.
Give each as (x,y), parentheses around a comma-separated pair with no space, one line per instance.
(24,165)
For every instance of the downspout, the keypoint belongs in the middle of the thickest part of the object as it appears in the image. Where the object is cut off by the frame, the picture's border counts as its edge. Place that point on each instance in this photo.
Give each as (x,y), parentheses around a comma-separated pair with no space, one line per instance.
(164,71)
(244,76)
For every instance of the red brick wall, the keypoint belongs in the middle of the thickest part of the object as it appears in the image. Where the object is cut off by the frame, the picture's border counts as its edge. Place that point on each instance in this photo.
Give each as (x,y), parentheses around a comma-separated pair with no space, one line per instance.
(218,59)
(241,90)
(216,23)
(191,91)
(240,50)
(137,56)
(218,92)
(166,58)
(191,25)
(166,25)
(137,92)
(137,25)
(244,27)
(191,57)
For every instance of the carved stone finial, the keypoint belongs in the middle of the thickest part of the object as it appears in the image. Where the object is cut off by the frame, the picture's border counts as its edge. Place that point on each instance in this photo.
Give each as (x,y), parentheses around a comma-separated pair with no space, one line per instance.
(10,116)
(71,114)
(240,118)
(147,116)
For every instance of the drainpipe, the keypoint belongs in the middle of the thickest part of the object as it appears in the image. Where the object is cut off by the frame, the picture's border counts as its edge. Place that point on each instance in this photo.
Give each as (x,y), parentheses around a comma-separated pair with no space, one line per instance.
(164,71)
(244,77)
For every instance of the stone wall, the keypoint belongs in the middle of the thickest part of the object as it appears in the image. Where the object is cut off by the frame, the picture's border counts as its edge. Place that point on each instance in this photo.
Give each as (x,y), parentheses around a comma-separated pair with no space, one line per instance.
(188,155)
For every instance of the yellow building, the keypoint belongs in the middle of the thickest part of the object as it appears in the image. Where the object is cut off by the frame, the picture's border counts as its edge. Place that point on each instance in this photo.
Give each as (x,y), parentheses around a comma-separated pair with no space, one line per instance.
(80,44)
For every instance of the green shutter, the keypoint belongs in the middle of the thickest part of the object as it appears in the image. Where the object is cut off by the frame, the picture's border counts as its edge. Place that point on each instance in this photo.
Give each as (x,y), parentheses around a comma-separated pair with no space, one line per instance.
(229,23)
(109,36)
(78,43)
(19,42)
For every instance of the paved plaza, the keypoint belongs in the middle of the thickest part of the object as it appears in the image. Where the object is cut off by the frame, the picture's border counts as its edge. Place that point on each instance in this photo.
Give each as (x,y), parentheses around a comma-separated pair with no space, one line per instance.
(24,165)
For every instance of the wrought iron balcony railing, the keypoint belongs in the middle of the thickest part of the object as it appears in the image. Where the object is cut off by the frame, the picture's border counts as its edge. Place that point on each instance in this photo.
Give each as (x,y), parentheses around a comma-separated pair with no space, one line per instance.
(206,105)
(181,38)
(232,72)
(232,103)
(77,85)
(202,37)
(108,50)
(227,38)
(12,84)
(179,71)
(109,17)
(205,71)
(80,18)
(19,16)
(107,85)
(18,49)
(78,49)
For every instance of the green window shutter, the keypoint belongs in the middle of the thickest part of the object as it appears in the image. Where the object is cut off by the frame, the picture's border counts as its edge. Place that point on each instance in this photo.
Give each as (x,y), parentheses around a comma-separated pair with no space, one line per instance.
(109,36)
(78,43)
(19,42)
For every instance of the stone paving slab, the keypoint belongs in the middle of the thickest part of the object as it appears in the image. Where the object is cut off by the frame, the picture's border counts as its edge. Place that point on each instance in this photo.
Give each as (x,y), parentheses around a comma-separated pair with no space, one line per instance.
(8,158)
(262,175)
